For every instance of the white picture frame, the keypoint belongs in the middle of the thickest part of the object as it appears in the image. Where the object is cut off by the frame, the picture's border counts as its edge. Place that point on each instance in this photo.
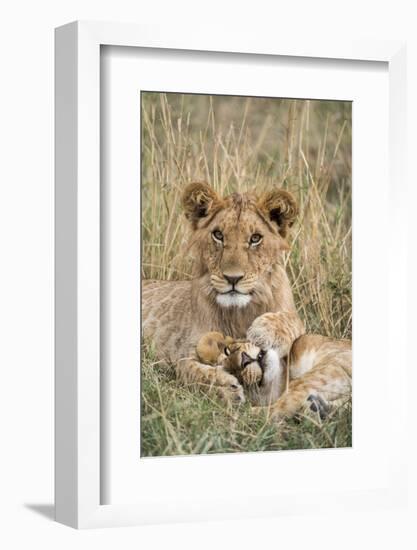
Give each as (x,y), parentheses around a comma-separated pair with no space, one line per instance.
(77,499)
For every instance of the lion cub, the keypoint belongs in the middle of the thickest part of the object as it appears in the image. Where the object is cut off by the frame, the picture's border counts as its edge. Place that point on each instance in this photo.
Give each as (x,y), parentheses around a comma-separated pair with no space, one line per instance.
(320,372)
(261,373)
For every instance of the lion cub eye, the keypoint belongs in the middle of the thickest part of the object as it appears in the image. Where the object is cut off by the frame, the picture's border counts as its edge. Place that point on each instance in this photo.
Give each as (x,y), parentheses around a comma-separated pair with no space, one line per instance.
(217,236)
(255,239)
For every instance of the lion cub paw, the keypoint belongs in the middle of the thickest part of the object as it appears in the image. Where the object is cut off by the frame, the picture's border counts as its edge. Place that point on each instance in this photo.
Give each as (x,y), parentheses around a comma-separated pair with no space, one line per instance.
(276,330)
(231,394)
(252,374)
(228,387)
(318,405)
(261,333)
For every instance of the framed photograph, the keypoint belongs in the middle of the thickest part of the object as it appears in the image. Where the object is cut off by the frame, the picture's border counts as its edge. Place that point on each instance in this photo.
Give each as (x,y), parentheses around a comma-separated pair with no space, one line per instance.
(277,209)
(229,220)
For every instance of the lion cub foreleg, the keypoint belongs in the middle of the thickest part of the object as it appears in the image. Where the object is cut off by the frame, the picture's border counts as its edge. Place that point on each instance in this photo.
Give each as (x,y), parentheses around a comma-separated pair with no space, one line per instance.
(212,378)
(315,390)
(276,330)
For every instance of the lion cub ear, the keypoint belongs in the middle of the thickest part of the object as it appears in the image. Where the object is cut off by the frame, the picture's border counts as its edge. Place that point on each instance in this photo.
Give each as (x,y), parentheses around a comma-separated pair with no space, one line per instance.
(208,347)
(280,207)
(198,201)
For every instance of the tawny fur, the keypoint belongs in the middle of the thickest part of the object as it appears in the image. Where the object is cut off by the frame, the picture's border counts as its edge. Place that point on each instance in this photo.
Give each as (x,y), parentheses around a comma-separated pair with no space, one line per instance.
(210,378)
(175,314)
(210,348)
(261,374)
(319,368)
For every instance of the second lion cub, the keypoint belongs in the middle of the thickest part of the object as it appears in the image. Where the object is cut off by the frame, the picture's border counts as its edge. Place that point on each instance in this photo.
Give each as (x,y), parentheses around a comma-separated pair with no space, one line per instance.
(316,373)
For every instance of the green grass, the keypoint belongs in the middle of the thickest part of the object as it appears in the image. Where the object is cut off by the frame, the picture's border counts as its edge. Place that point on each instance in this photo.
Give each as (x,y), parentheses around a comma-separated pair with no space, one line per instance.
(177,420)
(237,143)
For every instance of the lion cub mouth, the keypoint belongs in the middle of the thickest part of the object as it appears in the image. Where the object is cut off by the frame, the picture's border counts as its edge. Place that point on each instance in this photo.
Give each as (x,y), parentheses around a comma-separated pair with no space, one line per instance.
(233,298)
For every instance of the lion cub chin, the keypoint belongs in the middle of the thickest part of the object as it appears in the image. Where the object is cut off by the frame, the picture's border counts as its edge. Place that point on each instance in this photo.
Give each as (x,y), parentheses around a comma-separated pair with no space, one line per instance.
(261,373)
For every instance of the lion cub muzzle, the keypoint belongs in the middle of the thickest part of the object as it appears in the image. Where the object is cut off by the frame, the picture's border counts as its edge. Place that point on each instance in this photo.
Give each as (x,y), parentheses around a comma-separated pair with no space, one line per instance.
(232,290)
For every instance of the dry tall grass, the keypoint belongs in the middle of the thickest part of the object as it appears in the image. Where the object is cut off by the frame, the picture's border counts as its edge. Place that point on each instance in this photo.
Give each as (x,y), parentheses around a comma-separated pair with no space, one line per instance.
(237,144)
(253,143)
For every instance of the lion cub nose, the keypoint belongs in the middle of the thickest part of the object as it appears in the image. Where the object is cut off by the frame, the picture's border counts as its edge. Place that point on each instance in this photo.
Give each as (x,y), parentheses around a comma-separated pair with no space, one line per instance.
(246,359)
(232,279)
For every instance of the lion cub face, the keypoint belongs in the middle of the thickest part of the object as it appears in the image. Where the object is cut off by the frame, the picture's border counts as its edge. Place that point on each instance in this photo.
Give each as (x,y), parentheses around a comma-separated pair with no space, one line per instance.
(245,361)
(240,358)
(261,373)
(238,238)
